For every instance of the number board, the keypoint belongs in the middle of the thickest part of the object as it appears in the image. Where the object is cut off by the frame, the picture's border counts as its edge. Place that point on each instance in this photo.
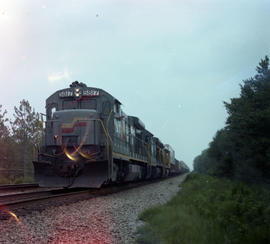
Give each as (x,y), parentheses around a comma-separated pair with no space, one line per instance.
(90,92)
(82,92)
(66,93)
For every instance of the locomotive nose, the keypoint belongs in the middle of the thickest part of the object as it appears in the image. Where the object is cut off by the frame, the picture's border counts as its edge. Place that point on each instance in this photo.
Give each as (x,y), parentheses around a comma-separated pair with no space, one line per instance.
(76,140)
(76,127)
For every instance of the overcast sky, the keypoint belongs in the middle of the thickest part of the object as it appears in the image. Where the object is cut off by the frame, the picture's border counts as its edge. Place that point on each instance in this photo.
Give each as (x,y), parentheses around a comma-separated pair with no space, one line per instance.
(172,63)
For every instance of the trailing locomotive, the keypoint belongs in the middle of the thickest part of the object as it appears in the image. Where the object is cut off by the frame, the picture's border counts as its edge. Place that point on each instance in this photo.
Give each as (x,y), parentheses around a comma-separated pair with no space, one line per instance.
(89,141)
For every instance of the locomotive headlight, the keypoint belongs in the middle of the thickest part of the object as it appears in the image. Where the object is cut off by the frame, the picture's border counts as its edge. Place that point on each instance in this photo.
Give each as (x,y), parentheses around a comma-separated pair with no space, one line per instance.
(77,92)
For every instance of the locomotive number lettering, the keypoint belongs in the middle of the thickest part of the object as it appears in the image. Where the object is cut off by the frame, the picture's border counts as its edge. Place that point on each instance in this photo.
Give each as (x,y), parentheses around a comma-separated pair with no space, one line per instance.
(66,94)
(90,93)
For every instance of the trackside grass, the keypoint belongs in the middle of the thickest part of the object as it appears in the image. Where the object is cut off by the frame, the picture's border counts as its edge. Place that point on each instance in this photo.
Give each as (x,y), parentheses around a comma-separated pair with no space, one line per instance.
(210,210)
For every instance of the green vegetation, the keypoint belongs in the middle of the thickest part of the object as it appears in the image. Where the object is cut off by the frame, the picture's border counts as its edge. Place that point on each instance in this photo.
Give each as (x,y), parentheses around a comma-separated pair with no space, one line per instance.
(21,180)
(241,150)
(18,136)
(4,181)
(210,210)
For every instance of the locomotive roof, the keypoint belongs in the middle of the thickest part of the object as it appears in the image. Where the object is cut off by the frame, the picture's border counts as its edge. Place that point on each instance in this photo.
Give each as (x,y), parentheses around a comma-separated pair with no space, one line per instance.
(76,84)
(137,122)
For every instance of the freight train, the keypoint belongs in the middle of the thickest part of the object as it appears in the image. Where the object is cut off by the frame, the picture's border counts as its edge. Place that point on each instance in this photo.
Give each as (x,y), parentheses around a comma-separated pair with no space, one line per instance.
(89,142)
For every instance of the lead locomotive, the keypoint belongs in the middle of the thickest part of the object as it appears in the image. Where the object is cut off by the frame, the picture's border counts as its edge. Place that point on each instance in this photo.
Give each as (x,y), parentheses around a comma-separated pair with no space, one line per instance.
(89,141)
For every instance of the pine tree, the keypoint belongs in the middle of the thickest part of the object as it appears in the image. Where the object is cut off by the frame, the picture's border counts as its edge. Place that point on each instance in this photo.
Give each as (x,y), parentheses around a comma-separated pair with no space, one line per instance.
(4,130)
(25,128)
(4,135)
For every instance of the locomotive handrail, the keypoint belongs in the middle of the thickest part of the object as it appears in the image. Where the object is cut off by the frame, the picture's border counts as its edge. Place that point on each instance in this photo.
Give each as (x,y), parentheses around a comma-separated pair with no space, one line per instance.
(148,153)
(40,126)
(42,133)
(107,122)
(108,137)
(108,148)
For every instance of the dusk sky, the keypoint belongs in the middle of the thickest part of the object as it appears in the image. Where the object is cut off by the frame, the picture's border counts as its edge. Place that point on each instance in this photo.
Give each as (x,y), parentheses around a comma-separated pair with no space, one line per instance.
(172,63)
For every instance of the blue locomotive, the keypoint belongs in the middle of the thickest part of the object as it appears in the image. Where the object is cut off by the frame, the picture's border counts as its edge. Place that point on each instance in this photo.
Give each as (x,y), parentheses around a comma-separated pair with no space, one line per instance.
(89,141)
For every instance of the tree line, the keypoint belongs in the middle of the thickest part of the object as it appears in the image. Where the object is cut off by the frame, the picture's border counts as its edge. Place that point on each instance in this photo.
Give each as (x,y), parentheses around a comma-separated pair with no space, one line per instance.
(241,150)
(19,139)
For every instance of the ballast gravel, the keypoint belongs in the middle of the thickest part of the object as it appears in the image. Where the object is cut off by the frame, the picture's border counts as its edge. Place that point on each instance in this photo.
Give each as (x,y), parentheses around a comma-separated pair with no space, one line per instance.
(103,220)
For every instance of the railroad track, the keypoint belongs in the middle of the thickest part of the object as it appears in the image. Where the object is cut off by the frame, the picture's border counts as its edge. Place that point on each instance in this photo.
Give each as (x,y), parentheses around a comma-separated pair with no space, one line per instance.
(17,199)
(25,202)
(24,197)
(18,186)
(20,204)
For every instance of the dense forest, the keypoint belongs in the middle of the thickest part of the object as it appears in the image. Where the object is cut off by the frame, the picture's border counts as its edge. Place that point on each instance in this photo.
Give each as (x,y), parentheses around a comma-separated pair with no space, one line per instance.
(241,150)
(19,140)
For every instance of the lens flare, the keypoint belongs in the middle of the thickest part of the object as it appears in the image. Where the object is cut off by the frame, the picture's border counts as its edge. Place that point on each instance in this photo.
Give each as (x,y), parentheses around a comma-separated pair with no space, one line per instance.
(71,156)
(5,210)
(15,217)
(74,155)
(90,156)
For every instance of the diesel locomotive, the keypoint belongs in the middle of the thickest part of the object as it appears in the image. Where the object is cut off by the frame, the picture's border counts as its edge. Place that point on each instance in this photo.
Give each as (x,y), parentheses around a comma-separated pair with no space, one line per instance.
(89,141)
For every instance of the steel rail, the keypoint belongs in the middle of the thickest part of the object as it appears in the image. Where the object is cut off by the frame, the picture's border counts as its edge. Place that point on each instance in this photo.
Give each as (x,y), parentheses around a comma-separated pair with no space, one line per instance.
(18,186)
(19,198)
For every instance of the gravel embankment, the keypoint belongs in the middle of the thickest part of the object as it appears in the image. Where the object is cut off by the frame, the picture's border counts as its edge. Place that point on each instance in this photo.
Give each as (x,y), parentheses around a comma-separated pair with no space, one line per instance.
(107,219)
